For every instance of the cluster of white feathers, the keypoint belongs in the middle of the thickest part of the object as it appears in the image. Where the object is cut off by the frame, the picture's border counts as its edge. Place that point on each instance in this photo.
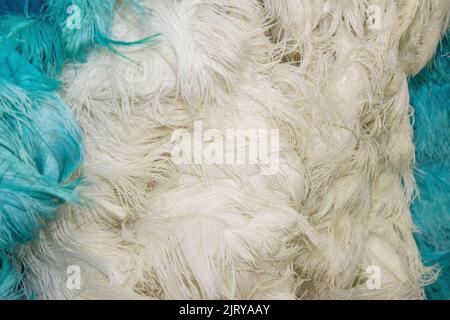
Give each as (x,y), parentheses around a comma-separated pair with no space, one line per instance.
(332,81)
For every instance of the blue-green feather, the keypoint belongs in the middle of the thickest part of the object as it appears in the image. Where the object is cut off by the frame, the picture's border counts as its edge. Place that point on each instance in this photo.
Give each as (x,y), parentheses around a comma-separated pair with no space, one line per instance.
(10,279)
(40,143)
(40,152)
(36,40)
(430,98)
(83,24)
(20,6)
(40,149)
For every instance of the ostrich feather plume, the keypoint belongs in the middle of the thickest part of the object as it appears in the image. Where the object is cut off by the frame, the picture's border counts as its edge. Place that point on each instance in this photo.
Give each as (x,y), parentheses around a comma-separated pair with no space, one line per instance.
(41,146)
(328,80)
(430,93)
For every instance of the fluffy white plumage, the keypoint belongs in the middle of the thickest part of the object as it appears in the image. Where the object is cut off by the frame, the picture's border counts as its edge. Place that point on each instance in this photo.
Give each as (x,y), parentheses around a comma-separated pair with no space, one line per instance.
(337,91)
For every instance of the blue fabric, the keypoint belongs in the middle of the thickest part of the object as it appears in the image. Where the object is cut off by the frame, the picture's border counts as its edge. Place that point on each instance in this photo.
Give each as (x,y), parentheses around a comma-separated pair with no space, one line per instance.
(430,98)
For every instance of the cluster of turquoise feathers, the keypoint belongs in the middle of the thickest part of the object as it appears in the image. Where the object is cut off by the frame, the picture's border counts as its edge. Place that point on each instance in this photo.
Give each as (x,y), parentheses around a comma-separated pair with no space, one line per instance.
(41,146)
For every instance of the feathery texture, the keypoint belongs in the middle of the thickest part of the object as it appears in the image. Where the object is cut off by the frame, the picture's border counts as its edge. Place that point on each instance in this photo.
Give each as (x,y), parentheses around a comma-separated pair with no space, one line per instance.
(36,40)
(329,76)
(9,281)
(430,96)
(83,24)
(40,150)
(41,146)
(20,6)
(335,85)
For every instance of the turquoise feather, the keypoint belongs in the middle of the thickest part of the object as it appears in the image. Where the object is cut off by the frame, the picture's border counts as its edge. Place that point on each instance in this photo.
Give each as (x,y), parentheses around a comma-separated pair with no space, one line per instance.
(20,6)
(40,152)
(9,281)
(430,98)
(40,149)
(86,24)
(83,24)
(36,40)
(40,143)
